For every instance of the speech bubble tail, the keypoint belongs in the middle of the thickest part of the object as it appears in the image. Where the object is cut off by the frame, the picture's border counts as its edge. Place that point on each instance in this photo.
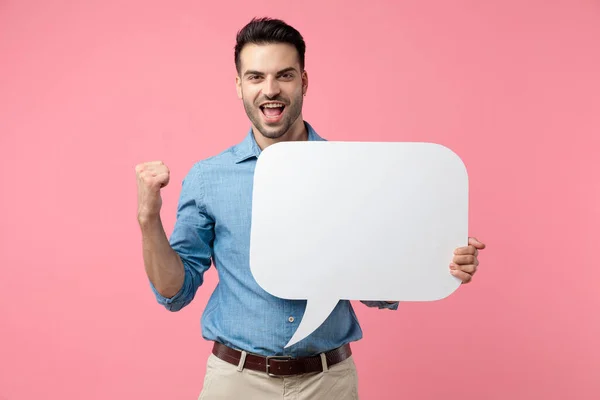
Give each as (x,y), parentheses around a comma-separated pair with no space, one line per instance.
(315,314)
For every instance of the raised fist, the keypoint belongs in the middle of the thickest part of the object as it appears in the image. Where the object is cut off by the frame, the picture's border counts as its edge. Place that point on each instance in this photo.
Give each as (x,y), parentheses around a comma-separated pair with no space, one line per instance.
(151,177)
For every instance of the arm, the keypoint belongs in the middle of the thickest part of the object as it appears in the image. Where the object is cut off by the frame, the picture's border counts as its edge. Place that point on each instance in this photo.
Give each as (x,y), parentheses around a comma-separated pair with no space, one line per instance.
(175,268)
(163,265)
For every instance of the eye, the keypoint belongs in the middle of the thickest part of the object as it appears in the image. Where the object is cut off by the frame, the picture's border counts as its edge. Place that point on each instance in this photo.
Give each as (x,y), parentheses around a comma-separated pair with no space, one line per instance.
(288,75)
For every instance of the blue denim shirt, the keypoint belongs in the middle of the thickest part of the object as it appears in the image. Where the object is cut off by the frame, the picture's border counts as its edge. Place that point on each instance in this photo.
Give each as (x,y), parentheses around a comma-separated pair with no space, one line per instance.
(213,227)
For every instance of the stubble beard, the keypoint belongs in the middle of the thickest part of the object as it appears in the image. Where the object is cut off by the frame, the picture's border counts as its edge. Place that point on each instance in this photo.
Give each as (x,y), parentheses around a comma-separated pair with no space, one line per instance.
(292,112)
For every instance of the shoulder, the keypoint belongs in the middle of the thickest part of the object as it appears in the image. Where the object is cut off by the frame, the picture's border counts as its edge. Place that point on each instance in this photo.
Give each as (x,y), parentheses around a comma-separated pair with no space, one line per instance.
(225,158)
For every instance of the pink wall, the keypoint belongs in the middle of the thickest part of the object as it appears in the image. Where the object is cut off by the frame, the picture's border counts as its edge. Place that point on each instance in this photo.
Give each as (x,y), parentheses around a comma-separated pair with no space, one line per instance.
(87,91)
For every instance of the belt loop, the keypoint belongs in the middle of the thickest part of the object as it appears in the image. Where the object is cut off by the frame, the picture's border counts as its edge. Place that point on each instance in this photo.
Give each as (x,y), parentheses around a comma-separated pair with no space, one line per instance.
(324,362)
(240,366)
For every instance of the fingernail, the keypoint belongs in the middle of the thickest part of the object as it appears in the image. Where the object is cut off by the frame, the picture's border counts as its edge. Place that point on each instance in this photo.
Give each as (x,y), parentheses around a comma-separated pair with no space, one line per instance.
(452,266)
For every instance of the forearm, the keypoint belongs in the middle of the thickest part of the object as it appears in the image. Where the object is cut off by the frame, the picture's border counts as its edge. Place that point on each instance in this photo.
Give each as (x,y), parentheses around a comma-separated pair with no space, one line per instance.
(163,265)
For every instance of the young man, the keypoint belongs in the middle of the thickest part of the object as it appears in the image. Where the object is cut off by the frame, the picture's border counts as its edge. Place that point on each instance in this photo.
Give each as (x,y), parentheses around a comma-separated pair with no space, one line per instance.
(249,326)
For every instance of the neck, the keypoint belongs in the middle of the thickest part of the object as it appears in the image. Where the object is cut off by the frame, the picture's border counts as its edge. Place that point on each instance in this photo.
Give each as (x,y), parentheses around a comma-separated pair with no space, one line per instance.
(297,132)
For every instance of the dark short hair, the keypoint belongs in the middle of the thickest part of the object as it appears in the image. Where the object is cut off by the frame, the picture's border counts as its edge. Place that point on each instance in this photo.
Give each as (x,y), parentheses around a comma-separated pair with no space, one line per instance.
(266,31)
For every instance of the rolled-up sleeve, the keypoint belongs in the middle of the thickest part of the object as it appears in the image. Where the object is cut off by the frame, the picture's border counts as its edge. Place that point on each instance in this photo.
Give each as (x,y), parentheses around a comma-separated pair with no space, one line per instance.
(192,239)
(381,304)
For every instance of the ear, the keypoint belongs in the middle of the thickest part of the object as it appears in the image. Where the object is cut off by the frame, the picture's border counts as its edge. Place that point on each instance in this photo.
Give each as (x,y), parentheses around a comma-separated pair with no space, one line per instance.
(238,86)
(304,82)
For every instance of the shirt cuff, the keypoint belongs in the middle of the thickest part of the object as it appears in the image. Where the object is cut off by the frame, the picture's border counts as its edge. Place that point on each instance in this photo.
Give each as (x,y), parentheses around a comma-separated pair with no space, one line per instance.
(169,302)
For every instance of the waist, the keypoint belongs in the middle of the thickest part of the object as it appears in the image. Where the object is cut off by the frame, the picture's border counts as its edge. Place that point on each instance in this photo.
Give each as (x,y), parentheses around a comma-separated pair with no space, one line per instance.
(282,365)
(264,327)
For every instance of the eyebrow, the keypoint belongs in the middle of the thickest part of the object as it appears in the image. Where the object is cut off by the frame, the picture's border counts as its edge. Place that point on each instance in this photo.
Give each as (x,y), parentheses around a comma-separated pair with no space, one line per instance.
(283,71)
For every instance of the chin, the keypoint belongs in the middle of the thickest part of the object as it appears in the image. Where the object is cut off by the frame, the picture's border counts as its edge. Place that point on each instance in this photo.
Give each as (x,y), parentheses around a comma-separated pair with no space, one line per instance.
(273,132)
(272,135)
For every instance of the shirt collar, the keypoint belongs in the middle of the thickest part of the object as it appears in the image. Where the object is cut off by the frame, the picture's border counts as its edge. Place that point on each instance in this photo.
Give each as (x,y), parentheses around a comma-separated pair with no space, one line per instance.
(248,148)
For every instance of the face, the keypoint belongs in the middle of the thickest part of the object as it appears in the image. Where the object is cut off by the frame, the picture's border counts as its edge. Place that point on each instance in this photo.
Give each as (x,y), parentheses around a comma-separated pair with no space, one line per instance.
(271,86)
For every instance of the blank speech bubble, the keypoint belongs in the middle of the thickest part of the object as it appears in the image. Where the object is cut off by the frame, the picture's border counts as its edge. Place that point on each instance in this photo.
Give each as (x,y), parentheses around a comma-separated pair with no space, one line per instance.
(356,221)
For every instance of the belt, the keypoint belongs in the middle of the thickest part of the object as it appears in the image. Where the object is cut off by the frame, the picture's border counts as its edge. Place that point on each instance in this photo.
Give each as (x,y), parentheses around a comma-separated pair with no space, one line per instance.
(282,365)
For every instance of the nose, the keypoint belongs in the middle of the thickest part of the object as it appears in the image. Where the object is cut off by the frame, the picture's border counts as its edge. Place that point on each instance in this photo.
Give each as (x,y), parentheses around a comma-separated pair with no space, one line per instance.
(271,88)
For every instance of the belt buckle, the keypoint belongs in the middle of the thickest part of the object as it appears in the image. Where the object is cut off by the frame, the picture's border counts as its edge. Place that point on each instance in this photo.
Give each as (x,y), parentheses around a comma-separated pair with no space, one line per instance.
(268,358)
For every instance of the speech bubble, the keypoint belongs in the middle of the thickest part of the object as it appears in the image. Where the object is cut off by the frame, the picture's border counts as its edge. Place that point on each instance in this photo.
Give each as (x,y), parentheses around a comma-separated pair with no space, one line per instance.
(356,221)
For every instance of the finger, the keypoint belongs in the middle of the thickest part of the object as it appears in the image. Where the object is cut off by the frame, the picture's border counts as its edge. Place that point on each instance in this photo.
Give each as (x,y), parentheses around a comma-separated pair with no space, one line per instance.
(156,170)
(150,166)
(468,268)
(153,174)
(466,250)
(463,276)
(465,260)
(474,242)
(162,179)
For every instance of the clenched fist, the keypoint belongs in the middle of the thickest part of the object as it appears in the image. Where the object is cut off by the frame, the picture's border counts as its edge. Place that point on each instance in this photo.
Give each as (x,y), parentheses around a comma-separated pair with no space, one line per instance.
(151,177)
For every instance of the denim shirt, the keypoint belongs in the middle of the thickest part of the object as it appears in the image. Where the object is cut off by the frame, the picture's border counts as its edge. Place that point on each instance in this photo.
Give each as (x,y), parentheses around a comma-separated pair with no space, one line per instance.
(213,227)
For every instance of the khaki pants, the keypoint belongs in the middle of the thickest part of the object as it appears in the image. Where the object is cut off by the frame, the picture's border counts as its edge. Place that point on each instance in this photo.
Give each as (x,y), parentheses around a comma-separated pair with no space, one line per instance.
(224,381)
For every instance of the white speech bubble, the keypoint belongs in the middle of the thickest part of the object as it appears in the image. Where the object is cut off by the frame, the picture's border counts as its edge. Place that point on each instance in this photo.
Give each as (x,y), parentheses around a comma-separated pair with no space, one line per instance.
(356,221)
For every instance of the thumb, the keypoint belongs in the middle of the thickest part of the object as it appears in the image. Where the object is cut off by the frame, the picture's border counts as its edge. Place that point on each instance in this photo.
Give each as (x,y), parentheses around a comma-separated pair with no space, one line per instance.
(475,242)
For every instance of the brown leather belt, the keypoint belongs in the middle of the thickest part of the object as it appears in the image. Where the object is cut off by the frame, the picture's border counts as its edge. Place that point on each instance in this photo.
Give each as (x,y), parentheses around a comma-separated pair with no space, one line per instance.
(282,365)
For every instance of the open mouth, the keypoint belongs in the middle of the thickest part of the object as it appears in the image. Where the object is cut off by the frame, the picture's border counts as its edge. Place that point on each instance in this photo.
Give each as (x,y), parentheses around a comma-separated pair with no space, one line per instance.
(272,111)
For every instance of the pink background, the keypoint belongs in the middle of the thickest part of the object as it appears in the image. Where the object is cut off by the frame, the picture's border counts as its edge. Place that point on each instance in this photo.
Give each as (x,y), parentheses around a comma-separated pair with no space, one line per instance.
(89,90)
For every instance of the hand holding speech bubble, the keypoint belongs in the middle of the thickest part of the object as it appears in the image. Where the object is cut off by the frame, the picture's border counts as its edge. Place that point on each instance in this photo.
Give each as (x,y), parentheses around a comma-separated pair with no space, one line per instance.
(356,221)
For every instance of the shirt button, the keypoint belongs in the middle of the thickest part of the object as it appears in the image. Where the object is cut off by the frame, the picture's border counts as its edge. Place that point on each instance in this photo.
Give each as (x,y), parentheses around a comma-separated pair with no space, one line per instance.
(291,319)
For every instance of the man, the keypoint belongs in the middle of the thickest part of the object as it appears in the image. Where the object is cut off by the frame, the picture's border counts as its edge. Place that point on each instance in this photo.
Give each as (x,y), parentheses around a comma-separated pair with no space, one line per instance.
(213,226)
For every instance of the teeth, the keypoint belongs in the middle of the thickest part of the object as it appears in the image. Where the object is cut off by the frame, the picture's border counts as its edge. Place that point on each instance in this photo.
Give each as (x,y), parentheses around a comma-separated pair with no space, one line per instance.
(270,105)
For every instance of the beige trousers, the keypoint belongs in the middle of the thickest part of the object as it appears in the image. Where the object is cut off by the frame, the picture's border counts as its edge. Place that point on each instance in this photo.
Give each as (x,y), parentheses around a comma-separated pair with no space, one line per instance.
(224,381)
